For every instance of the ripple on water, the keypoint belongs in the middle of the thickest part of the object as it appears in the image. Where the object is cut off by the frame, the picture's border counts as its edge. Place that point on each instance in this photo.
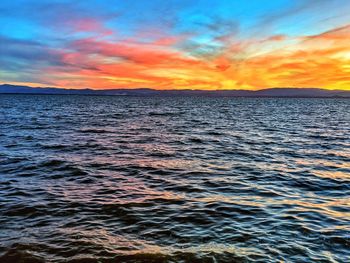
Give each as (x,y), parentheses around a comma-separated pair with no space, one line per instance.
(101,179)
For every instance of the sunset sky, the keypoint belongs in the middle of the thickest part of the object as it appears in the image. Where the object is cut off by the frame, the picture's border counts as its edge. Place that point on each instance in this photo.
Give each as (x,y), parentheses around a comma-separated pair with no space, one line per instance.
(179,44)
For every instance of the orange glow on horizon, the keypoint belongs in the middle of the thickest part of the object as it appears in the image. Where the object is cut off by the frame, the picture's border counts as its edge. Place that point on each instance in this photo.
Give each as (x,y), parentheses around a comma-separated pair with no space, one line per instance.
(315,61)
(320,61)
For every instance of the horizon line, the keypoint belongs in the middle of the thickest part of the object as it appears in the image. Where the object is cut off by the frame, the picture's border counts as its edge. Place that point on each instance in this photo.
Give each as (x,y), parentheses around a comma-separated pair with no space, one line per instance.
(40,86)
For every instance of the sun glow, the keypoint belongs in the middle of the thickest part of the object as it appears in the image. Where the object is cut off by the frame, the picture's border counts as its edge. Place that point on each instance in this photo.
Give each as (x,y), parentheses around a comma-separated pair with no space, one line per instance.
(198,48)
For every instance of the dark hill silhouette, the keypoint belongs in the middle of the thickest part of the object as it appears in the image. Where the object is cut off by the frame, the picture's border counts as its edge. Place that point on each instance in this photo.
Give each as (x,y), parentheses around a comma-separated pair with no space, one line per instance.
(272,92)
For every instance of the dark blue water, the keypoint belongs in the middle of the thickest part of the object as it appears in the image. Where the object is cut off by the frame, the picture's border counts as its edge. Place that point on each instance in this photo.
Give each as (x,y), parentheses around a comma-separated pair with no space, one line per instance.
(141,179)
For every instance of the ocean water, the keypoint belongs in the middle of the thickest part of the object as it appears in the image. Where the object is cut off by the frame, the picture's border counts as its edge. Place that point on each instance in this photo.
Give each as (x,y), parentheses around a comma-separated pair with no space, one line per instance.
(151,179)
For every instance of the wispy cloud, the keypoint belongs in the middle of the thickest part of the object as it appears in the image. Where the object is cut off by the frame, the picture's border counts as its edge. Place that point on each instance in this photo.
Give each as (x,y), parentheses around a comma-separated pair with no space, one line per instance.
(175,44)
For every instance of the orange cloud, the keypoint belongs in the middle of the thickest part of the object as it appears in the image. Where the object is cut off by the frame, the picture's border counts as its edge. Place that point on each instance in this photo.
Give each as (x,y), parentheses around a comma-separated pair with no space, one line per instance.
(277,61)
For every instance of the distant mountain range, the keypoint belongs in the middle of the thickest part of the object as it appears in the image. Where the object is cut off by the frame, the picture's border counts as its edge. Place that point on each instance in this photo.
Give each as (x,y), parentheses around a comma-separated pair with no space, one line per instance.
(272,92)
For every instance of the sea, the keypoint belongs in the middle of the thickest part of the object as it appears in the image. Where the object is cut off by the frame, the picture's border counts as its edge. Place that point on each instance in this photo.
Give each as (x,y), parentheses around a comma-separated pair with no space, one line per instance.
(174,179)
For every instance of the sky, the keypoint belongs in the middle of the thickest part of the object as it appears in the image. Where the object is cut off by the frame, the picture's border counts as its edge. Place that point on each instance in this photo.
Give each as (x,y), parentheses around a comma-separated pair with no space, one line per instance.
(176,44)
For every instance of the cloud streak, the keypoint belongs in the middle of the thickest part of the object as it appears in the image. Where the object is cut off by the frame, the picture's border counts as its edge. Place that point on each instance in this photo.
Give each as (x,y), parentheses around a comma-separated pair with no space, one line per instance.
(199,45)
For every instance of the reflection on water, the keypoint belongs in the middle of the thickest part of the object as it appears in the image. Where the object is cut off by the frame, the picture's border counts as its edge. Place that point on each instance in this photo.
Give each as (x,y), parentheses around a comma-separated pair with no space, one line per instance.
(100,179)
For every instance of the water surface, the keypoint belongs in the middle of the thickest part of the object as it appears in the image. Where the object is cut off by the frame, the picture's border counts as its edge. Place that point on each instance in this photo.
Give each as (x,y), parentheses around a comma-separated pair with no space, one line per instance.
(142,179)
